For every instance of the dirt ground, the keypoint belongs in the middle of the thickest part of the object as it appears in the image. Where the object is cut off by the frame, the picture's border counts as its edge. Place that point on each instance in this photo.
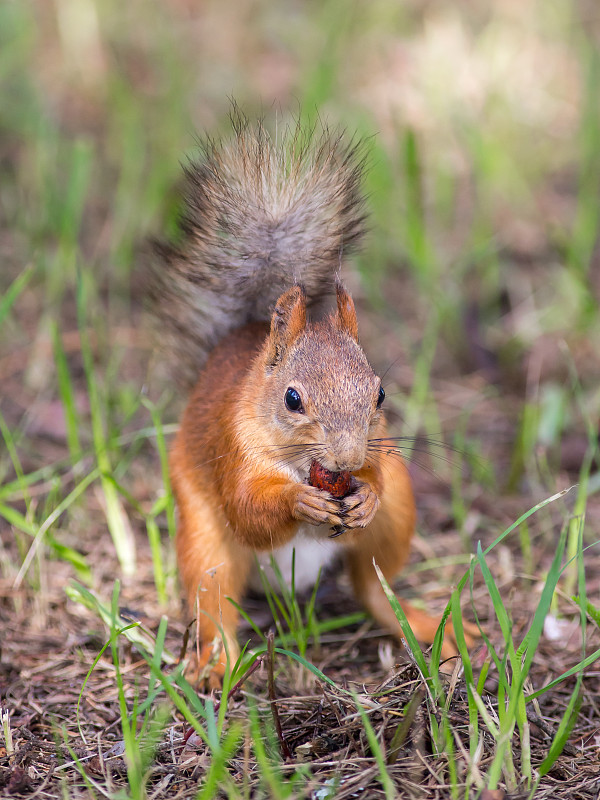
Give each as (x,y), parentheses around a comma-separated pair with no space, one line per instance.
(49,642)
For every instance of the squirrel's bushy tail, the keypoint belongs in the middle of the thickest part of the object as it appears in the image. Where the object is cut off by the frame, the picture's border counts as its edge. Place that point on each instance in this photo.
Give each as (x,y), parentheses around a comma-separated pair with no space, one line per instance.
(260,214)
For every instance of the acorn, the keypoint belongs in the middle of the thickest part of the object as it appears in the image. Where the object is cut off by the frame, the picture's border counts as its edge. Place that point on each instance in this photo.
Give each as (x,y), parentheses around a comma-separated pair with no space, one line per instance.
(338,484)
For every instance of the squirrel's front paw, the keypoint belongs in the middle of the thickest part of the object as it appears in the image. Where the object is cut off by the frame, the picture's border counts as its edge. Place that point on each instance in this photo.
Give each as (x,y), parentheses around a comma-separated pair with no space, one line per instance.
(315,506)
(360,507)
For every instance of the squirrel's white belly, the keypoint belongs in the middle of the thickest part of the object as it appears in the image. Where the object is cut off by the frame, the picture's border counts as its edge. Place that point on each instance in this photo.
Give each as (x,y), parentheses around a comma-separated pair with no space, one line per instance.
(312,554)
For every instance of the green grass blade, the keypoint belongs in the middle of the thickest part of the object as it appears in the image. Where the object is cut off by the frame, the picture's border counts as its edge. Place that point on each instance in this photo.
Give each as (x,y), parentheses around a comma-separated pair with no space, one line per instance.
(269,772)
(11,448)
(536,630)
(88,676)
(459,634)
(142,639)
(375,747)
(571,712)
(306,664)
(533,510)
(247,617)
(15,518)
(78,561)
(157,560)
(11,295)
(118,524)
(161,446)
(581,665)
(218,775)
(567,722)
(51,519)
(411,639)
(67,393)
(438,641)
(497,602)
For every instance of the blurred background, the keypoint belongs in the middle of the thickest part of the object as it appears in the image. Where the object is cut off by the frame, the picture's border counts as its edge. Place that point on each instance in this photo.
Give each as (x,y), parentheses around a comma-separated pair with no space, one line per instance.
(478,286)
(478,294)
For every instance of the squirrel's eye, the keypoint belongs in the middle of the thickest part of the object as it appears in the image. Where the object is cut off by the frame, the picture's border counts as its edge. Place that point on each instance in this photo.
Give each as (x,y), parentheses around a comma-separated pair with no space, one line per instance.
(381,397)
(292,400)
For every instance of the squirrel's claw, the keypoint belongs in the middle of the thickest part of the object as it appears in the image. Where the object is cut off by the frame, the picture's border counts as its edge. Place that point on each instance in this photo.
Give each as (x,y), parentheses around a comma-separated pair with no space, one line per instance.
(206,669)
(316,507)
(360,507)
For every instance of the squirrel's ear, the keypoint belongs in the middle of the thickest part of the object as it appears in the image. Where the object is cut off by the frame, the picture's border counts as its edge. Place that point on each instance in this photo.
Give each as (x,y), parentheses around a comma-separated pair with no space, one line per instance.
(345,319)
(287,323)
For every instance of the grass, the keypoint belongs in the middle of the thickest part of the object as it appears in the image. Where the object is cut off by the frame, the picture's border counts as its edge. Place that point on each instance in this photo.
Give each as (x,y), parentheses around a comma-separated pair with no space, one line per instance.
(478,298)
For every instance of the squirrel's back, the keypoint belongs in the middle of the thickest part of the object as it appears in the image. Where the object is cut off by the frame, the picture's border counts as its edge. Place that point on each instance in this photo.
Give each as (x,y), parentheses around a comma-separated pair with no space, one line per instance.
(261,214)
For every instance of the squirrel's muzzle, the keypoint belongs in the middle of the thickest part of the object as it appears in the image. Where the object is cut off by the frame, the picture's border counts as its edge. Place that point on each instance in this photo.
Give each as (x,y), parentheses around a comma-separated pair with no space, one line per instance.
(345,454)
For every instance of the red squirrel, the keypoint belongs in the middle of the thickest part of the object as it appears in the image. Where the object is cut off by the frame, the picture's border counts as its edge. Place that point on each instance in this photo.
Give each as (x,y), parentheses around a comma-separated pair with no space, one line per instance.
(264,228)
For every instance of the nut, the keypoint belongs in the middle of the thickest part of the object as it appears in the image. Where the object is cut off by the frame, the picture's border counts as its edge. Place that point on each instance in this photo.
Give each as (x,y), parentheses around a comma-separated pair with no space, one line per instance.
(338,484)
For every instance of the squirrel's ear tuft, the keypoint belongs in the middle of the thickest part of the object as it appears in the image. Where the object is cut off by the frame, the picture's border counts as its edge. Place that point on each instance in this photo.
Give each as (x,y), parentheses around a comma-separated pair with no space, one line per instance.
(287,323)
(345,318)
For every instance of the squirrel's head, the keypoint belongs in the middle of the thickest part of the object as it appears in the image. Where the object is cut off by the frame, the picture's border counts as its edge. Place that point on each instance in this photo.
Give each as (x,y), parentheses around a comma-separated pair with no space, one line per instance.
(321,390)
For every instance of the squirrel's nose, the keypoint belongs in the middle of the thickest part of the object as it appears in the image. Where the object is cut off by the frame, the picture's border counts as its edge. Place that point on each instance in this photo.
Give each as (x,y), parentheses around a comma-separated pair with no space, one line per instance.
(347,454)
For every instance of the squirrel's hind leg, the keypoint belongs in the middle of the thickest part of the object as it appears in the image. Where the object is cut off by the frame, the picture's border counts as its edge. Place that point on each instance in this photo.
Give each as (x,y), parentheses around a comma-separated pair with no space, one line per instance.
(387,541)
(212,569)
